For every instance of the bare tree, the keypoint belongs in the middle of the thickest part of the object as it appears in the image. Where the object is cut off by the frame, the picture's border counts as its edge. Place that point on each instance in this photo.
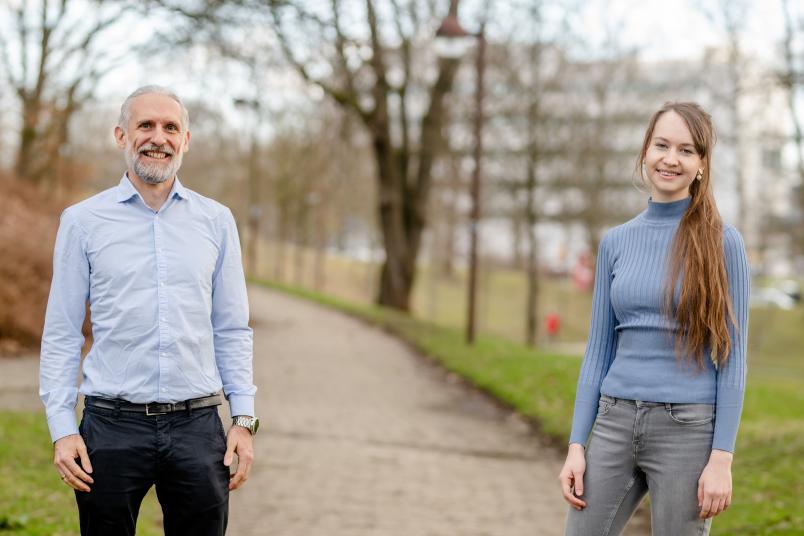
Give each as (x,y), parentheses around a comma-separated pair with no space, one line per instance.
(378,79)
(527,77)
(791,79)
(731,16)
(446,214)
(52,60)
(318,173)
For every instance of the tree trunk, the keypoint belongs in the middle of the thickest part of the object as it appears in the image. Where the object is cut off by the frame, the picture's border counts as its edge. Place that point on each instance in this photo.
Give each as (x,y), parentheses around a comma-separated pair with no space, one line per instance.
(531,322)
(403,207)
(281,243)
(320,259)
(28,136)
(791,80)
(302,221)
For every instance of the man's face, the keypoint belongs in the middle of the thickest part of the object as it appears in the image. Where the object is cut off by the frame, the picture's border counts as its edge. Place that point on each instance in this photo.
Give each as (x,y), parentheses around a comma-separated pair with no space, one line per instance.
(154,140)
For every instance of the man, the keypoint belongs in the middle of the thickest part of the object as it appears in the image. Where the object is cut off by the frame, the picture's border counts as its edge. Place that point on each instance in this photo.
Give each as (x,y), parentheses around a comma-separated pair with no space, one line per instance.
(160,267)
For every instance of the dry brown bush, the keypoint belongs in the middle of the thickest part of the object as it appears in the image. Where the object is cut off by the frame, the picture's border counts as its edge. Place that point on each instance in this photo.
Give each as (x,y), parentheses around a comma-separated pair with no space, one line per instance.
(28,224)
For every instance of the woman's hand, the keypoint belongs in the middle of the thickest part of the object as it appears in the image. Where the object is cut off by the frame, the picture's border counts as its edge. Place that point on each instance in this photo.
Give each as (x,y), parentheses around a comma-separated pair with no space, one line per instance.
(714,486)
(571,476)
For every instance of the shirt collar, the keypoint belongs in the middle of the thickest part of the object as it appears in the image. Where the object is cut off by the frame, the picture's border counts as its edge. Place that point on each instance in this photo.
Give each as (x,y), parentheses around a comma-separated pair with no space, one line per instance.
(126,190)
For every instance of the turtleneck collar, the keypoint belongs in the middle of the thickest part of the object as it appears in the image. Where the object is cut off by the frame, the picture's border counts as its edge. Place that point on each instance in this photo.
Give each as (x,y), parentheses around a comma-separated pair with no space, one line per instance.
(667,212)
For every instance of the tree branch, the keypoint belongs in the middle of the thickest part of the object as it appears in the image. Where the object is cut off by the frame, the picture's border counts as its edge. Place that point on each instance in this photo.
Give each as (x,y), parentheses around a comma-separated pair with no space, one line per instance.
(22,28)
(345,98)
(92,33)
(340,42)
(402,90)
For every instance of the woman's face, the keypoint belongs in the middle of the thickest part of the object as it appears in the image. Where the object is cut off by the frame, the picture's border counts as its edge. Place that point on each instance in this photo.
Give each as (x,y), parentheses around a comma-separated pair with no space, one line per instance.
(671,160)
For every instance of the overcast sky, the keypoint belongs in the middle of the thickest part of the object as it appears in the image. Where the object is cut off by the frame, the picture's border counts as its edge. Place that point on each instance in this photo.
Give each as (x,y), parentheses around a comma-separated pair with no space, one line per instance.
(682,28)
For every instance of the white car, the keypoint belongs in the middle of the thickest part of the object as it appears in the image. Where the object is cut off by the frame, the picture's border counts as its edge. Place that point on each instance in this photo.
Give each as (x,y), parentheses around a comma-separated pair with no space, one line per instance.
(771,297)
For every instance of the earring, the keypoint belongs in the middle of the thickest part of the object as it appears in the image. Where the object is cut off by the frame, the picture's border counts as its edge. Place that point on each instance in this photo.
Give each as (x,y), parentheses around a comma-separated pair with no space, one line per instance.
(699,175)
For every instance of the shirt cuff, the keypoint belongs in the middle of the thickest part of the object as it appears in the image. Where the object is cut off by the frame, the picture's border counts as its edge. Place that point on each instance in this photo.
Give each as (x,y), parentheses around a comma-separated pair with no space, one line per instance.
(586,401)
(241,405)
(727,418)
(61,425)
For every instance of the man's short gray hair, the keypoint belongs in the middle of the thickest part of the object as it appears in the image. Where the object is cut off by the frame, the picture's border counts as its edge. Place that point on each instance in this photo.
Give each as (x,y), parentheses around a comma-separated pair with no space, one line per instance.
(125,109)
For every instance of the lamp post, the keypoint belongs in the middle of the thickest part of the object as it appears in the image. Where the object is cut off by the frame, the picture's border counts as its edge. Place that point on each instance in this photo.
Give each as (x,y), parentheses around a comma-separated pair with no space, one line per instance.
(254,209)
(453,43)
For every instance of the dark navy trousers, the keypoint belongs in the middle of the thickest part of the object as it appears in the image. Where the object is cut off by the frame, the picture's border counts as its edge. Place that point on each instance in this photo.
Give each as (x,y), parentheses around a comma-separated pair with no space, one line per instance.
(180,453)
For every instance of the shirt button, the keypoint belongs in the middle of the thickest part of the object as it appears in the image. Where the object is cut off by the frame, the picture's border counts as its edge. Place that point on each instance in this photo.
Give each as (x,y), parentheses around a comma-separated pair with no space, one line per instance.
(163,319)
(163,354)
(161,283)
(164,390)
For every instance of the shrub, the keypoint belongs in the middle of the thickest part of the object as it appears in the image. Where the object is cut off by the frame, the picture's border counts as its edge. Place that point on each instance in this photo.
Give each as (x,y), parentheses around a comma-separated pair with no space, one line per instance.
(28,223)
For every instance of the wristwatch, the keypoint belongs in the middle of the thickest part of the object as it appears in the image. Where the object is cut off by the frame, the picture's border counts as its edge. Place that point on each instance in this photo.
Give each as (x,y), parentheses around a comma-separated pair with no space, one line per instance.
(249,423)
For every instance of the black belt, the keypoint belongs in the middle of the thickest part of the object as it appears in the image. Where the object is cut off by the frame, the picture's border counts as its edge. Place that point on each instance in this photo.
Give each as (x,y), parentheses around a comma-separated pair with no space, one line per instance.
(153,408)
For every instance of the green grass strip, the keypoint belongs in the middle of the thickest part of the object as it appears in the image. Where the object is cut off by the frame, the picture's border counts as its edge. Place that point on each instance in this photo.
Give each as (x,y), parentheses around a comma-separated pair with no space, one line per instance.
(33,501)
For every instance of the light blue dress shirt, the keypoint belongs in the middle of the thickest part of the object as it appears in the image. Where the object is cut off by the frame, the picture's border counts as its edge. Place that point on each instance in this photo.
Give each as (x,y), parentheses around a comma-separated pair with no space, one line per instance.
(168,305)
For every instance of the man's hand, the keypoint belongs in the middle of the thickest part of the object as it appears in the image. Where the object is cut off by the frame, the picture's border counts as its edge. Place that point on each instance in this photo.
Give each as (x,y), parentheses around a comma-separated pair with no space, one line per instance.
(240,442)
(67,450)
(714,486)
(571,476)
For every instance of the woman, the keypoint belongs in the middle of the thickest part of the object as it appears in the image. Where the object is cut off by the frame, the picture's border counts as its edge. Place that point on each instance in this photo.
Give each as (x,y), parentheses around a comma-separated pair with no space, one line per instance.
(664,371)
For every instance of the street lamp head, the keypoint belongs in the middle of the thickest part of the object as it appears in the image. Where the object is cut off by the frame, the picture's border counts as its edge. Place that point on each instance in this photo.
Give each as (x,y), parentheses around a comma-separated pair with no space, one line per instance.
(452,40)
(451,28)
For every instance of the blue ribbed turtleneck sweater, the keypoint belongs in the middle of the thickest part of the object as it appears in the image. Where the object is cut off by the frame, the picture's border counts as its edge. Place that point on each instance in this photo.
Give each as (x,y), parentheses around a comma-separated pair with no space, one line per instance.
(630,353)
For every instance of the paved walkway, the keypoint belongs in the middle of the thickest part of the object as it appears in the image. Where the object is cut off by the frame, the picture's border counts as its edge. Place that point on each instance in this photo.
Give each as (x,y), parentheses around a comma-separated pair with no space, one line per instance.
(19,384)
(361,437)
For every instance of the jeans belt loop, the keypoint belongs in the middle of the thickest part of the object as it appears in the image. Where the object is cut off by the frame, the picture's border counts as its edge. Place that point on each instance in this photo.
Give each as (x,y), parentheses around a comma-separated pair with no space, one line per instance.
(117,409)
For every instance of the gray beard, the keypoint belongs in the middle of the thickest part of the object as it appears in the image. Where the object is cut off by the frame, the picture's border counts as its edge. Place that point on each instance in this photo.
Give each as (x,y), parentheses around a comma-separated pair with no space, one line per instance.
(153,173)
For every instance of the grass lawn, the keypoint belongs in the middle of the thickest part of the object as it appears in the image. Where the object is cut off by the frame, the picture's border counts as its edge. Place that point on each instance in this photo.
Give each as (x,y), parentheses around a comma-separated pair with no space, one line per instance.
(767,469)
(33,501)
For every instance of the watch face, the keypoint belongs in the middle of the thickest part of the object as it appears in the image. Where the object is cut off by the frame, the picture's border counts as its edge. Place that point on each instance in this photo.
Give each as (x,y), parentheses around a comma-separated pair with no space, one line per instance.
(255,423)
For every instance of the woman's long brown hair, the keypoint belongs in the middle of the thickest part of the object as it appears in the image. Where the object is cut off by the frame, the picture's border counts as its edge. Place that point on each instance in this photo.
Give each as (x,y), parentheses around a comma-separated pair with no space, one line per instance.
(703,309)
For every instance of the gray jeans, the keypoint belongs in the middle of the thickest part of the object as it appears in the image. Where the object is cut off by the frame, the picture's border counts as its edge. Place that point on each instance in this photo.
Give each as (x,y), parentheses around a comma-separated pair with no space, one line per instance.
(640,447)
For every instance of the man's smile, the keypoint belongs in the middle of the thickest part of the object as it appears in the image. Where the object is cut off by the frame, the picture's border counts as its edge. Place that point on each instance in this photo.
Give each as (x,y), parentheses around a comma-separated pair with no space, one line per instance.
(156,154)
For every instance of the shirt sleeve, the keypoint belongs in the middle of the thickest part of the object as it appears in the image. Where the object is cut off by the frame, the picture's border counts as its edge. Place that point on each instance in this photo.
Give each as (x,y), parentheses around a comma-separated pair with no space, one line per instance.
(62,339)
(231,333)
(731,377)
(600,347)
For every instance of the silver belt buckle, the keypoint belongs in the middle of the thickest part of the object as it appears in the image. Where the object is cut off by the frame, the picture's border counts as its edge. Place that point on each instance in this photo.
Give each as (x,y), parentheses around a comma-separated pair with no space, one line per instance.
(149,412)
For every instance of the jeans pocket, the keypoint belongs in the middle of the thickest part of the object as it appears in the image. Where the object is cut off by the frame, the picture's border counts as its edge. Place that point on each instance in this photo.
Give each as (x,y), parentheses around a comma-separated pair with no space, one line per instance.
(691,414)
(81,424)
(219,425)
(604,405)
